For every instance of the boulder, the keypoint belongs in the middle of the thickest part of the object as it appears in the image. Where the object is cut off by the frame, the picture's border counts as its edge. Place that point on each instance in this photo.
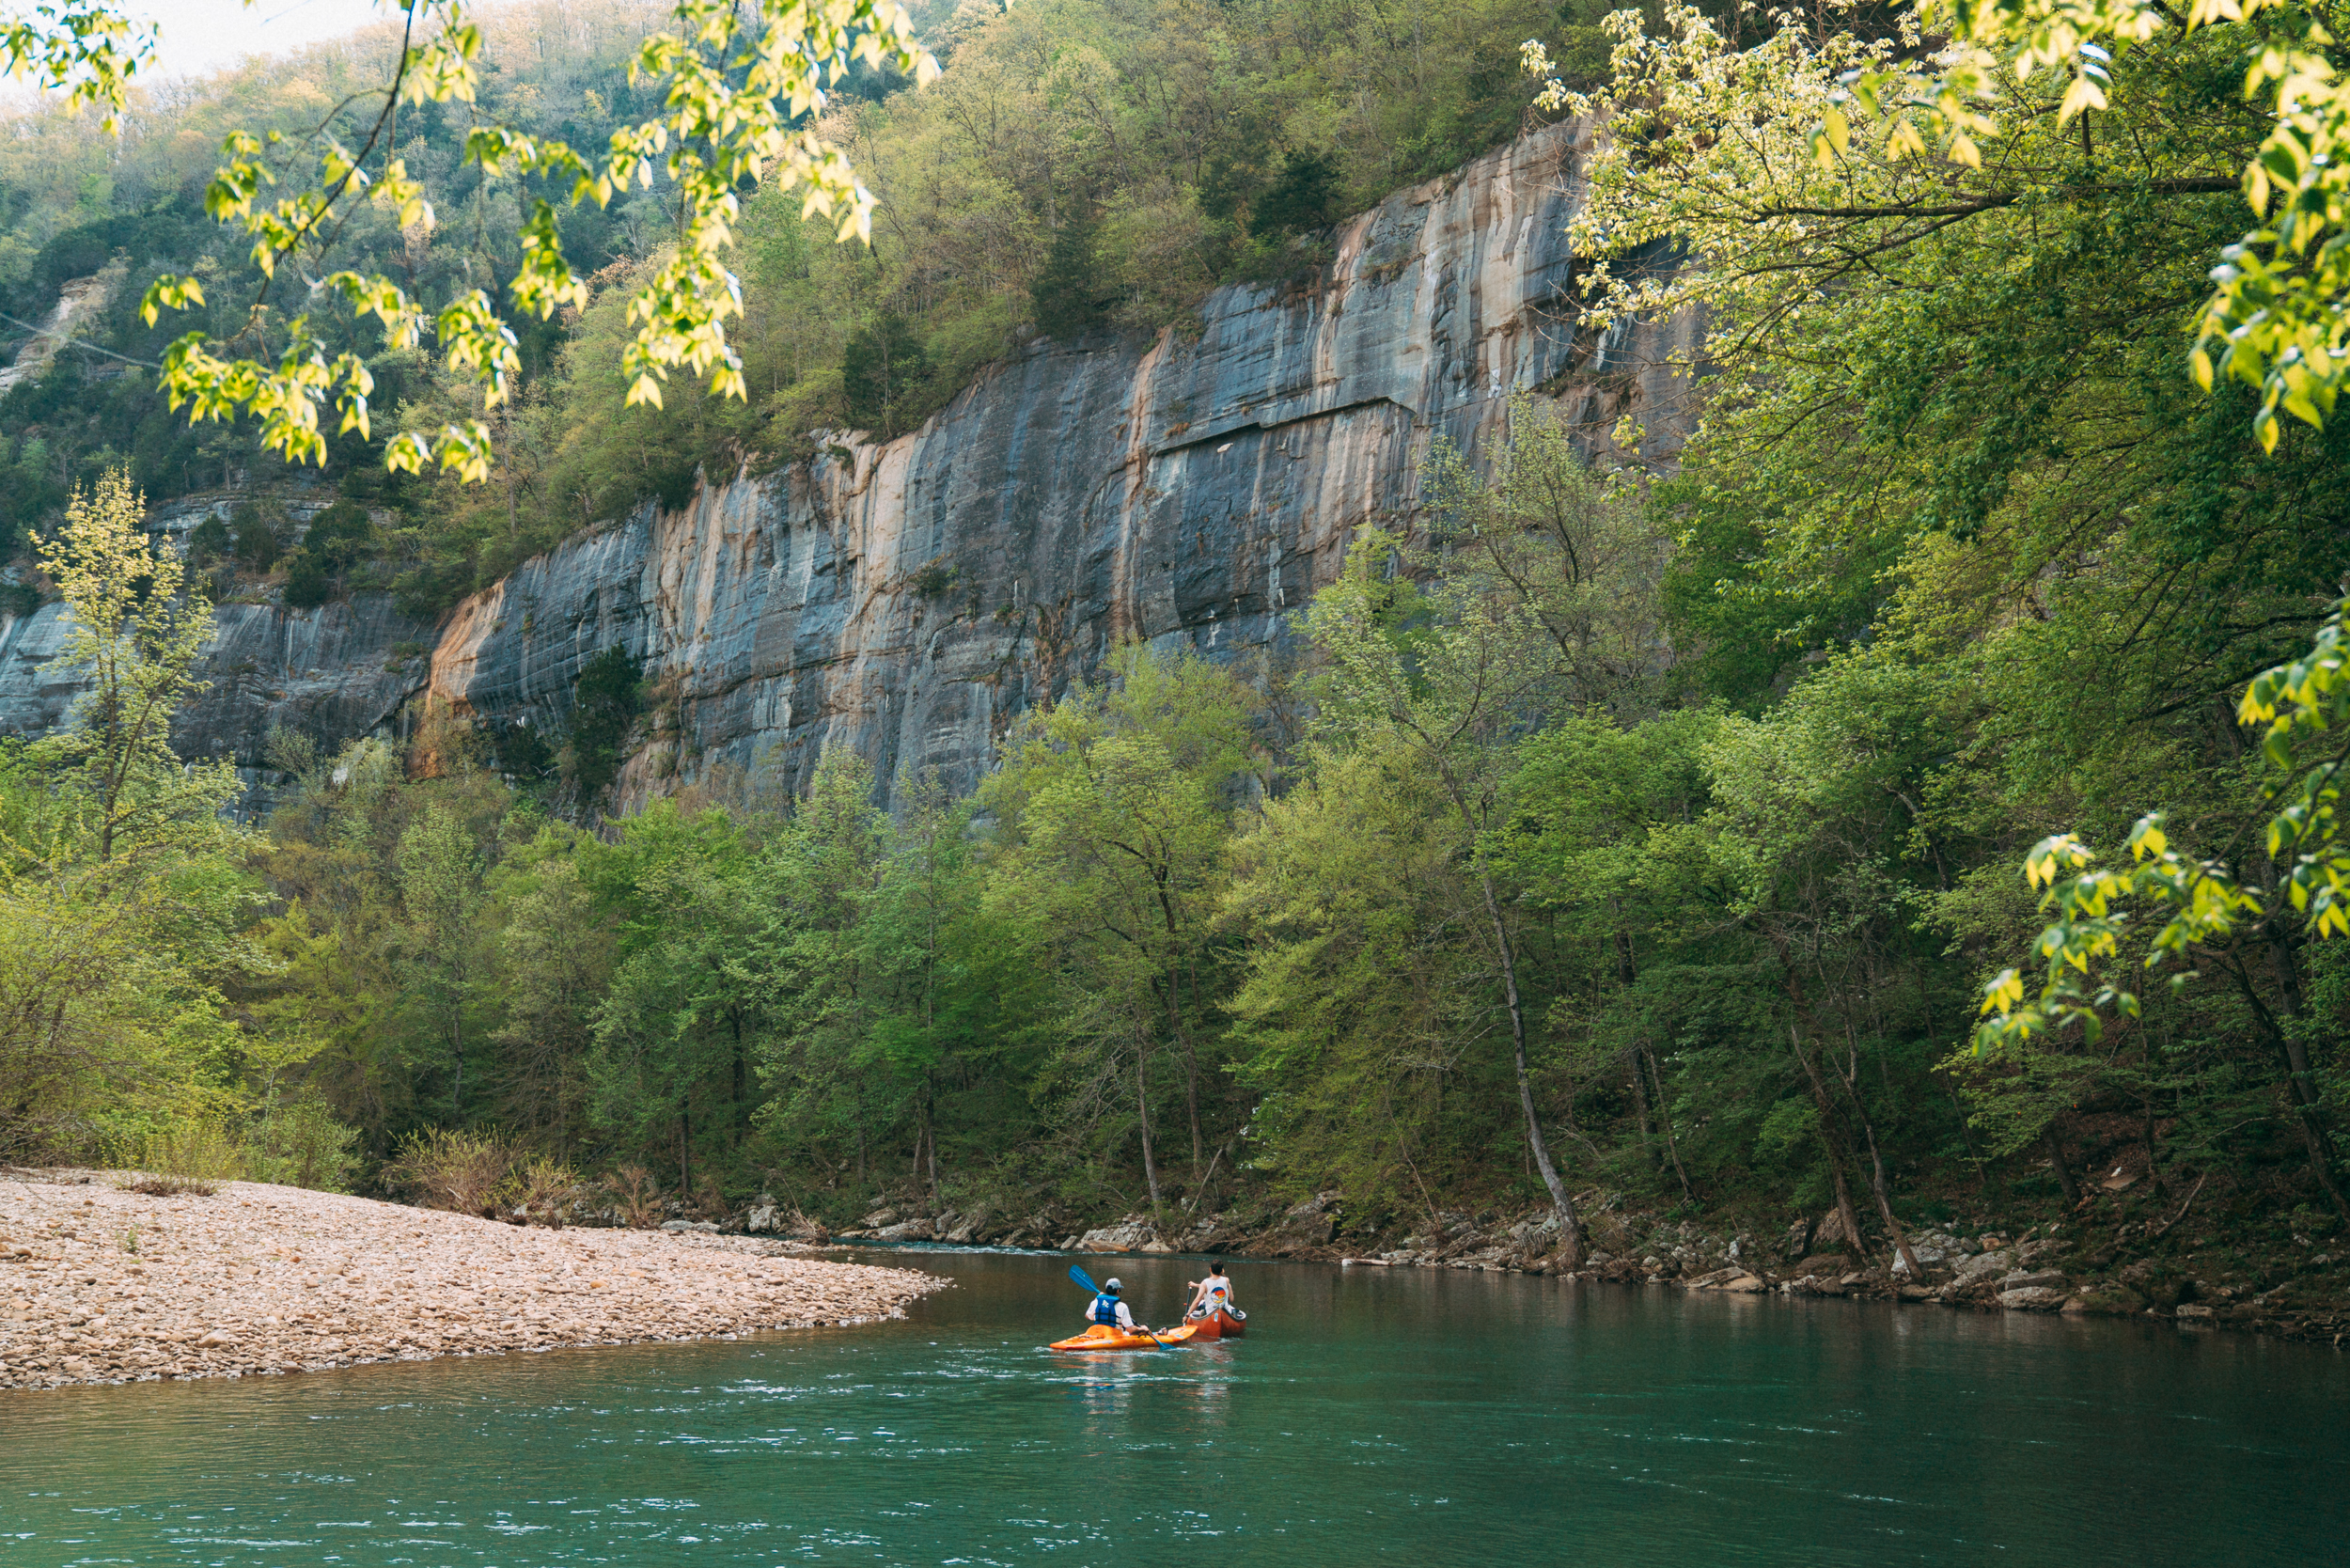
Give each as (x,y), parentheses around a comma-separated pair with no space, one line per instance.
(1985,1265)
(916,1229)
(2195,1311)
(2025,1279)
(2032,1298)
(1128,1234)
(2113,1299)
(1313,1222)
(1746,1284)
(2160,1286)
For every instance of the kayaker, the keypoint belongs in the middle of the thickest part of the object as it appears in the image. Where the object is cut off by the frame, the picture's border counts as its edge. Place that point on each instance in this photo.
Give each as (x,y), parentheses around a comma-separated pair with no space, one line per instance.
(1109,1311)
(1210,1295)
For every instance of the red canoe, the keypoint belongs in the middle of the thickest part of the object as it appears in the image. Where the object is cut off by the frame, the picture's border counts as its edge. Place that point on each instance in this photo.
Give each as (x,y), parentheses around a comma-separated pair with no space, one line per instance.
(1220,1325)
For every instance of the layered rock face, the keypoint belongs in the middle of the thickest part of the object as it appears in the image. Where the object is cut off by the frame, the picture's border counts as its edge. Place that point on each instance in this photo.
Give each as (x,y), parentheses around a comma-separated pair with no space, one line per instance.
(338,671)
(910,599)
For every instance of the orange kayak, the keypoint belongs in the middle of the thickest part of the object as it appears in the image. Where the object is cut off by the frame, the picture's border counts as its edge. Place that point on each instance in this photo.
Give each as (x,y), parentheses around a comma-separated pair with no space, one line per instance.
(1220,1325)
(1100,1337)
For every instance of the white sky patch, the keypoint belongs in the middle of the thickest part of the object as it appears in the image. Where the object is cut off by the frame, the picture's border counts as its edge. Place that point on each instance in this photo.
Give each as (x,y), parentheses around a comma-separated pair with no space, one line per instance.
(200,37)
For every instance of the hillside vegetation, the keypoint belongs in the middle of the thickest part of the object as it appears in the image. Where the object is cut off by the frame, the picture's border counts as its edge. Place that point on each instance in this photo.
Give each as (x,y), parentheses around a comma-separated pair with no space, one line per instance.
(1082,167)
(1652,837)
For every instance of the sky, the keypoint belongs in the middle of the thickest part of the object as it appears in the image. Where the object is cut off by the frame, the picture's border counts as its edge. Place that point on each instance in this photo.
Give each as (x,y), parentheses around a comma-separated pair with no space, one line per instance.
(201,36)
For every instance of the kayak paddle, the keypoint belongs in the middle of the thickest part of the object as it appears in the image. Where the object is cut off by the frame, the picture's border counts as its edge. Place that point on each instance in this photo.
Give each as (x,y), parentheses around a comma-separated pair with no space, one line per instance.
(1082,1278)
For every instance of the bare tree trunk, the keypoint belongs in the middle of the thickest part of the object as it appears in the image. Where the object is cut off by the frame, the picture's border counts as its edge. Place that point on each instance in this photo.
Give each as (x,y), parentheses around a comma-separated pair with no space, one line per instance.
(2301,1091)
(1639,1108)
(1664,1122)
(1570,1226)
(1142,1115)
(1845,1214)
(2071,1188)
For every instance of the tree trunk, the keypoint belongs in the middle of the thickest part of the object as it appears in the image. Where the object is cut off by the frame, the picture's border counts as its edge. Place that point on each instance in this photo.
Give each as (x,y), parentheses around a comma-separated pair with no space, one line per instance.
(2301,1091)
(1639,1109)
(1191,1065)
(1570,1226)
(1846,1217)
(1142,1117)
(2056,1162)
(1664,1123)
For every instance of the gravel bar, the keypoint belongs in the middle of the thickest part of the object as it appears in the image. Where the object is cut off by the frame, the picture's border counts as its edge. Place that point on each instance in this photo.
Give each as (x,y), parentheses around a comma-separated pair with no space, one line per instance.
(100,1284)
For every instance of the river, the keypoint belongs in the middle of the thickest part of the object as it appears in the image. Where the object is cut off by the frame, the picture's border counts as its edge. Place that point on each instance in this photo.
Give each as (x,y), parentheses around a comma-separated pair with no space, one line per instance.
(1430,1417)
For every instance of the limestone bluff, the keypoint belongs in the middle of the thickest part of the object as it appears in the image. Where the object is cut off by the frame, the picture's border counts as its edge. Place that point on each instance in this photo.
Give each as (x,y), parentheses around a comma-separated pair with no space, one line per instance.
(909,598)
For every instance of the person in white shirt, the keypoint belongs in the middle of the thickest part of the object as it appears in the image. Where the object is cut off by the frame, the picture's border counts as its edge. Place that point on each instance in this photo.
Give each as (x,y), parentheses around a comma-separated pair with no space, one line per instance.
(1209,1294)
(1111,1312)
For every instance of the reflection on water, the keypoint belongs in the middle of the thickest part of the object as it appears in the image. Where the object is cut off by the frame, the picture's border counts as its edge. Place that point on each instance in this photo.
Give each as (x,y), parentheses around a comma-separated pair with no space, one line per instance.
(1438,1417)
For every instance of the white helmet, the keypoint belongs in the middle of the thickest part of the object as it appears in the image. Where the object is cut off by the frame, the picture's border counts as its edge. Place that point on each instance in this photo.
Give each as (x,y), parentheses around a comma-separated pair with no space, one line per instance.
(1111,1287)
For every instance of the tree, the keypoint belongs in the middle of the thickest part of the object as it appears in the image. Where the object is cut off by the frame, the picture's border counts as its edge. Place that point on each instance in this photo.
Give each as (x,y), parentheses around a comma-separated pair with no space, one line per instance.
(135,631)
(441,891)
(606,700)
(1300,197)
(881,371)
(121,892)
(739,94)
(554,958)
(2214,916)
(672,1072)
(1067,294)
(1446,689)
(1113,807)
(1858,136)
(1576,550)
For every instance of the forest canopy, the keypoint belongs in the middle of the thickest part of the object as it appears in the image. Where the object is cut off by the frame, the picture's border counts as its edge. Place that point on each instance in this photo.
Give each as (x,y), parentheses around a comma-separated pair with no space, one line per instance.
(1605,834)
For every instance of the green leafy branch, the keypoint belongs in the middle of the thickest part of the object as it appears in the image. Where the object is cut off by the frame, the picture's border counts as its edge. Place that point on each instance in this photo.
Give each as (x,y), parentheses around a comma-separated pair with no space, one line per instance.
(745,87)
(88,52)
(2304,705)
(2277,318)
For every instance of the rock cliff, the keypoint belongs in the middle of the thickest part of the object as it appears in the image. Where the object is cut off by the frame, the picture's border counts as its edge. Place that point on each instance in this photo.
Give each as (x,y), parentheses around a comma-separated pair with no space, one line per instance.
(910,598)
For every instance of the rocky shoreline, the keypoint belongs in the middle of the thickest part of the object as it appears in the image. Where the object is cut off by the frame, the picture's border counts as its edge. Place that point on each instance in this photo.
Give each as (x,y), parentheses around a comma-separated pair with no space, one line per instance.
(102,1284)
(2300,1291)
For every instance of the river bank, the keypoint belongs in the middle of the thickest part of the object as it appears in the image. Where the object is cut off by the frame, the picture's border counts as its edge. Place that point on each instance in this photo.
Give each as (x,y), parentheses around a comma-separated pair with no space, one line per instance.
(100,1284)
(2161,1260)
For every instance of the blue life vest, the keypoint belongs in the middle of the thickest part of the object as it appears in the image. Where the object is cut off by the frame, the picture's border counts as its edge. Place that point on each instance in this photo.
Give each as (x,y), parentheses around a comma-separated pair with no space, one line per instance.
(1105,1310)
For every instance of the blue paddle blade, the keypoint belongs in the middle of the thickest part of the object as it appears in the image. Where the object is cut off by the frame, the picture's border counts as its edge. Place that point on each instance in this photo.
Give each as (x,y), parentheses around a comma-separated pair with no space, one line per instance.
(1082,1278)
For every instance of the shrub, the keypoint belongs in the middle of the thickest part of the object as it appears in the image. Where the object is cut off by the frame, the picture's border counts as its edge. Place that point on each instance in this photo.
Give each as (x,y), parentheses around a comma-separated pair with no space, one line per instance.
(607,697)
(338,536)
(881,371)
(541,1186)
(1304,198)
(210,541)
(256,538)
(191,1157)
(300,1144)
(636,1195)
(447,1167)
(308,584)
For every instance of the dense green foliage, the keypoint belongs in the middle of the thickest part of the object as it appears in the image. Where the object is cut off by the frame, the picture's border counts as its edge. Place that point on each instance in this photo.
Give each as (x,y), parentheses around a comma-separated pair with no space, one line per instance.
(1084,165)
(1654,833)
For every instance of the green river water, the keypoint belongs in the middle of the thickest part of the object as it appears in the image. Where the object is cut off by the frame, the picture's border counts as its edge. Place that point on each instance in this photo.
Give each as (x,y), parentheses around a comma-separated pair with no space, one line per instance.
(1415,1416)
